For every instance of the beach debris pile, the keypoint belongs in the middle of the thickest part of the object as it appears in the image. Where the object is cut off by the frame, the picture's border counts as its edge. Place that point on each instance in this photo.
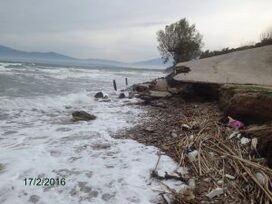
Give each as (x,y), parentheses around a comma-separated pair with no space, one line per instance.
(223,164)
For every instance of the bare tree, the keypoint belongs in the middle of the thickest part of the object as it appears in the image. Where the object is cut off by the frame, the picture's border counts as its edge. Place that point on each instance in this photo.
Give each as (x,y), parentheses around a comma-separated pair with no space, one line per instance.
(179,41)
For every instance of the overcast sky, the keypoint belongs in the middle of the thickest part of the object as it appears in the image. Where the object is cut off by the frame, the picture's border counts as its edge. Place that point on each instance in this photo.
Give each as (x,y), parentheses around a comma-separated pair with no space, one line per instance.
(126,29)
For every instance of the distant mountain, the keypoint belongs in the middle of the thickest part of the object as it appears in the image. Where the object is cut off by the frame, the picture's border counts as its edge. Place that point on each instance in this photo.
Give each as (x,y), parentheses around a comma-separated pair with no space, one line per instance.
(156,62)
(7,53)
(10,54)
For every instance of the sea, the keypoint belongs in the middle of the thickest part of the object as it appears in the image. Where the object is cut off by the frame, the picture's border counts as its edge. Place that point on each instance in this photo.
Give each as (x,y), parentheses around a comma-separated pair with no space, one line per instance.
(46,158)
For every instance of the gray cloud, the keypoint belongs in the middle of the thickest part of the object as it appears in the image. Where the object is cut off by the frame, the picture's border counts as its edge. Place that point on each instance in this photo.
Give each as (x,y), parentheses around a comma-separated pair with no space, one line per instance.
(125,29)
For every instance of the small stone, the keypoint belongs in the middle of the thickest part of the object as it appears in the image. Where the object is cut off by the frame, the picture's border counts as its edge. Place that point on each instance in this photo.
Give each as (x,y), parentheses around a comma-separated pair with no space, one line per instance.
(99,95)
(149,129)
(82,115)
(122,95)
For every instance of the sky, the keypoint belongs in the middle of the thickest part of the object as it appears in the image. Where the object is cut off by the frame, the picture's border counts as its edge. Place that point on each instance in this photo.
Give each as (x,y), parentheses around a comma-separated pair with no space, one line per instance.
(125,30)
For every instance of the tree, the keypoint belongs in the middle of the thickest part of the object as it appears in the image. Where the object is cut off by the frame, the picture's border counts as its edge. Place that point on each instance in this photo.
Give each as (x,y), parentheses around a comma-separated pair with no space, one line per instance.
(179,41)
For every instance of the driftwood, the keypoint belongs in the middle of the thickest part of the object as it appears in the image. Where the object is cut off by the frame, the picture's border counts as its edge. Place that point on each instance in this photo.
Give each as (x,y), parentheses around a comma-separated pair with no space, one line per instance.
(225,163)
(219,156)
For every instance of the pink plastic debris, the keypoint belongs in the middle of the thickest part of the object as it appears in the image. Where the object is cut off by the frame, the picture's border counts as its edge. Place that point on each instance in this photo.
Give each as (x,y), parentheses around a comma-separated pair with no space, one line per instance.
(235,124)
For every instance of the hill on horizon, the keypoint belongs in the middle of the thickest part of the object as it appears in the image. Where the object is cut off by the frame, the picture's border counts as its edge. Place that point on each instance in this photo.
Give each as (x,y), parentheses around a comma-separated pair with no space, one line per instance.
(10,54)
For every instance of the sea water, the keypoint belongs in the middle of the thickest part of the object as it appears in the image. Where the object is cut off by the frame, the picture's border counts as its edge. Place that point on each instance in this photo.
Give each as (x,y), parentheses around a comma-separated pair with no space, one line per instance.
(38,139)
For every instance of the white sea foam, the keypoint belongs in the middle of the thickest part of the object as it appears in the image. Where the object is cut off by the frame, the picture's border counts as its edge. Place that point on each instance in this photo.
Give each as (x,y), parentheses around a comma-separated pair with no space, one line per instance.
(38,139)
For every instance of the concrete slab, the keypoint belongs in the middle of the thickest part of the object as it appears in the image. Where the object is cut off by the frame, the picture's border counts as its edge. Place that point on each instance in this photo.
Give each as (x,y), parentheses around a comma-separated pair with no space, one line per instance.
(252,66)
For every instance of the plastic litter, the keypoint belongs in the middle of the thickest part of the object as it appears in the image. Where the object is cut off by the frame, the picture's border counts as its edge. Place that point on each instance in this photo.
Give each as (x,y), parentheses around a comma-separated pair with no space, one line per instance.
(235,124)
(215,192)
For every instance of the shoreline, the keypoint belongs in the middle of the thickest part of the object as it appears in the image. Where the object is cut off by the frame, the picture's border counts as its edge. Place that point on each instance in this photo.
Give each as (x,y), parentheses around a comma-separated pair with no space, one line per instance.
(161,122)
(227,163)
(160,126)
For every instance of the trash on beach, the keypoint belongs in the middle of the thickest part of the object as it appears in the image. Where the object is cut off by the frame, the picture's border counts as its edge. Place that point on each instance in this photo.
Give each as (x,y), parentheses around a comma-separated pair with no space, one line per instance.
(193,155)
(235,124)
(234,134)
(254,143)
(261,178)
(245,140)
(185,127)
(215,192)
(192,183)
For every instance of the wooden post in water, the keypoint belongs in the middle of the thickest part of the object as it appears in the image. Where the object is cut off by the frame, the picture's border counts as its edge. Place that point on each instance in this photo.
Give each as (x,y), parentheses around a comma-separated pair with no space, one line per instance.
(126,81)
(114,85)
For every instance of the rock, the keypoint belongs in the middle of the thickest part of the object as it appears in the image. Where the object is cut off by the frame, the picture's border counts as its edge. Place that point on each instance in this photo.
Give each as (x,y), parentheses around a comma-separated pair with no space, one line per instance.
(141,87)
(82,115)
(215,192)
(122,95)
(158,104)
(130,95)
(160,94)
(99,95)
(160,85)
